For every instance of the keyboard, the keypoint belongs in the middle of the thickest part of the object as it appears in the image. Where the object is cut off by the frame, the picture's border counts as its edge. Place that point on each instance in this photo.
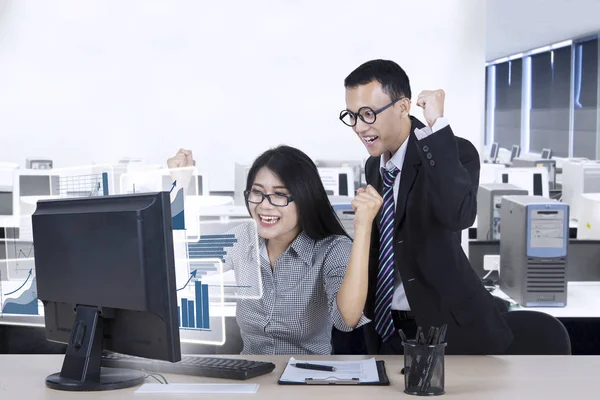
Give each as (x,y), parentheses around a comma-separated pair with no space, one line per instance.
(211,367)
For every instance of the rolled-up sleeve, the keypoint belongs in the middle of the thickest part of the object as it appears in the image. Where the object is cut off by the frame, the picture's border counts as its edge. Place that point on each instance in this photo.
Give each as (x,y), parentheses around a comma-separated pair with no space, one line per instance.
(334,269)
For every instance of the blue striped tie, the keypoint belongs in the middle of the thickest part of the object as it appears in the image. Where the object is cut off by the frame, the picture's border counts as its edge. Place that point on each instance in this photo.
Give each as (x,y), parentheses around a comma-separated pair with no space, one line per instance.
(384,325)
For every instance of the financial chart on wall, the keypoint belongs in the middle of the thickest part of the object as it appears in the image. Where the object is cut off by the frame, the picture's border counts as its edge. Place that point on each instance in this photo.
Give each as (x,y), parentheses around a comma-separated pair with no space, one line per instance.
(213,272)
(18,292)
(216,262)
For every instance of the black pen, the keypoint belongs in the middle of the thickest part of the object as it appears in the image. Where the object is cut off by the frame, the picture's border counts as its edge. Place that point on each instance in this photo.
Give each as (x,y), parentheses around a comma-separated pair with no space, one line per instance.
(418,335)
(442,337)
(315,367)
(429,335)
(402,335)
(436,337)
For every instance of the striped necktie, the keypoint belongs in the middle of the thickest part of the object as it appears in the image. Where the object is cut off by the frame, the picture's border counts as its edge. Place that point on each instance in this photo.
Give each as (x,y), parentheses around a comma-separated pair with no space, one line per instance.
(384,325)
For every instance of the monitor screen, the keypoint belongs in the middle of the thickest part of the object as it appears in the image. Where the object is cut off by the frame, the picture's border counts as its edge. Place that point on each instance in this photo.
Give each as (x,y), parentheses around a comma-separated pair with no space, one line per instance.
(38,185)
(6,203)
(494,152)
(546,154)
(514,152)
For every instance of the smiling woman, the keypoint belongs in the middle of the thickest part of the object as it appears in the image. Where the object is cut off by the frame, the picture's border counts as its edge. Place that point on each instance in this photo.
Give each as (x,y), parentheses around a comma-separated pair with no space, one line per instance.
(314,276)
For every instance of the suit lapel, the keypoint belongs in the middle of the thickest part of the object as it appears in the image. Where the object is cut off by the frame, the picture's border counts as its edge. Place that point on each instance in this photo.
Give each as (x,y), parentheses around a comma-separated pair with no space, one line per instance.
(410,168)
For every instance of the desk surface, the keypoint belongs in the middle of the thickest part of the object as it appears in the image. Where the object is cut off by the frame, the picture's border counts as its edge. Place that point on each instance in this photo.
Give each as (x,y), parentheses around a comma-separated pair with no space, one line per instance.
(467,377)
(583,301)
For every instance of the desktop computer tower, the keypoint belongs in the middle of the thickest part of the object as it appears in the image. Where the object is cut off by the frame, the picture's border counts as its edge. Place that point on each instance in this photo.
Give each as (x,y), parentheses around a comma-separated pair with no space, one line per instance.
(533,250)
(489,198)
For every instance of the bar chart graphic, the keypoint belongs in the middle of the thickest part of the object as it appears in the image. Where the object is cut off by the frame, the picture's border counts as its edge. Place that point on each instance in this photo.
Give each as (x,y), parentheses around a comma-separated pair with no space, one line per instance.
(235,244)
(201,254)
(194,312)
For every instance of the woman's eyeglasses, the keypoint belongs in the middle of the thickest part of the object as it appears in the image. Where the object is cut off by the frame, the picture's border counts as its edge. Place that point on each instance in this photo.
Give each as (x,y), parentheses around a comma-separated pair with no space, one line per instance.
(276,199)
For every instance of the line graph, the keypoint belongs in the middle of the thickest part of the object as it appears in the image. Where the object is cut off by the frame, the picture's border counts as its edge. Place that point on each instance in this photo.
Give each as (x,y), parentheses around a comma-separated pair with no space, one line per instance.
(18,258)
(24,304)
(22,254)
(20,287)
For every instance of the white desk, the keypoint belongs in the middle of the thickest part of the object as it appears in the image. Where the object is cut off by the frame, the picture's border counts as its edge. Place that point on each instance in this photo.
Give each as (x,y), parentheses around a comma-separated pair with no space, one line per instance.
(572,223)
(583,301)
(467,377)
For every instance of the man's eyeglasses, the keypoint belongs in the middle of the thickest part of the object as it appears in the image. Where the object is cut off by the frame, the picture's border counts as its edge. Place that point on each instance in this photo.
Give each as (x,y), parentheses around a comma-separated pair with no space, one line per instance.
(276,199)
(366,114)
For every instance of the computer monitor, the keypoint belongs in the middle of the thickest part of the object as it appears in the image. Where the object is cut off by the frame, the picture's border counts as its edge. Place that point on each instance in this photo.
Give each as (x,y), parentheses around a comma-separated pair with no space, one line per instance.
(6,203)
(534,180)
(494,152)
(356,165)
(240,178)
(105,272)
(38,184)
(579,177)
(338,181)
(588,221)
(10,210)
(546,154)
(515,152)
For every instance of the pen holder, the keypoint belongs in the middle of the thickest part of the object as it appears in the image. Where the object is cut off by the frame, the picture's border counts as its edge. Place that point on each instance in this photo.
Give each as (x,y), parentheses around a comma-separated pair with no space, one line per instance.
(424,369)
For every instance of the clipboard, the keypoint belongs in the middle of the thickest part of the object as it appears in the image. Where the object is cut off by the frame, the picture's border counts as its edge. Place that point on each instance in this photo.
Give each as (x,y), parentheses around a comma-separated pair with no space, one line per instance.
(381,371)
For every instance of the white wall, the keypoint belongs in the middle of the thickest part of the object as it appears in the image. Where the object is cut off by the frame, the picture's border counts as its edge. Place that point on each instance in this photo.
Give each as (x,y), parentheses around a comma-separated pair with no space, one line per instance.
(515,26)
(93,81)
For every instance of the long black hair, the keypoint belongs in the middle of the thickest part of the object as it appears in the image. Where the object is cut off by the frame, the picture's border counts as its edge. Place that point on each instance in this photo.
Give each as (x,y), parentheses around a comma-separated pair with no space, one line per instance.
(300,176)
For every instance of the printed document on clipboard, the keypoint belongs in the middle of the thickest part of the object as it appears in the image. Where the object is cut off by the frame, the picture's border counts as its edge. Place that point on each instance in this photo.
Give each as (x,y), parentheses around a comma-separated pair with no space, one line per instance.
(365,372)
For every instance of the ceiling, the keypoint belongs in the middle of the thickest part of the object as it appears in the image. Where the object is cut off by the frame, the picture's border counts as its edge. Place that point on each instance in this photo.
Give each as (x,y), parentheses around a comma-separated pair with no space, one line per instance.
(515,26)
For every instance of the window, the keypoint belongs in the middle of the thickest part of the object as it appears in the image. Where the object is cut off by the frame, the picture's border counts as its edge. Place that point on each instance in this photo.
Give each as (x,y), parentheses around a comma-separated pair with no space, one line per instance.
(550,101)
(507,113)
(487,106)
(585,113)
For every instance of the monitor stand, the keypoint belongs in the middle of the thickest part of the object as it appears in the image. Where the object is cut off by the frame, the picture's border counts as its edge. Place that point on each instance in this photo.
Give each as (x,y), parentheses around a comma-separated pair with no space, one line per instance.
(81,370)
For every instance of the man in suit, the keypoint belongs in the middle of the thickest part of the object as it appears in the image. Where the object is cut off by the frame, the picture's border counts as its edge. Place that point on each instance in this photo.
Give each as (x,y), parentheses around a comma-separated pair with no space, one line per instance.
(428,178)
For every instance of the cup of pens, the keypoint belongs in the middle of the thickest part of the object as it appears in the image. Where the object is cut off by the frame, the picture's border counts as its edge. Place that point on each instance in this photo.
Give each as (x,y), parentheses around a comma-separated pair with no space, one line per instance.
(424,362)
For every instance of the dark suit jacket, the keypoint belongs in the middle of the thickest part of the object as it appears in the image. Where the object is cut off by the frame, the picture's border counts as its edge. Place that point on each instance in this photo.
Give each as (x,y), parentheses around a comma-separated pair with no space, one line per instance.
(437,199)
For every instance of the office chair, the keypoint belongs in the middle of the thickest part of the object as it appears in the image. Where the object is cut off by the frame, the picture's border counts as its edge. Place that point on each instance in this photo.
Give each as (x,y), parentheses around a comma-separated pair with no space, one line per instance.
(16,339)
(537,333)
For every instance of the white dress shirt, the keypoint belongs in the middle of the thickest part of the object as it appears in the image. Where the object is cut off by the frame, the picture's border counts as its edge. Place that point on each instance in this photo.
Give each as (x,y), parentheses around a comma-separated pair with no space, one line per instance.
(399,300)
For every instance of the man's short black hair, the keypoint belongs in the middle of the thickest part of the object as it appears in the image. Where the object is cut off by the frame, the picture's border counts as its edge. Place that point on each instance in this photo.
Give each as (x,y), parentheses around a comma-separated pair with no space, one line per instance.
(390,75)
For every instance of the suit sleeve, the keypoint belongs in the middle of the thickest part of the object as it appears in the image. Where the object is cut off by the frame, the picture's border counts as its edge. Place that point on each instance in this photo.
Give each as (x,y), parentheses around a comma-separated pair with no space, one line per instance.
(452,166)
(374,247)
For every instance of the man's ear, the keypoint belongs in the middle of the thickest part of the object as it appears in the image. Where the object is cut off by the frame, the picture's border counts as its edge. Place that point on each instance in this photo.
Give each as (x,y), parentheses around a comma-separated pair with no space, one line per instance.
(405,106)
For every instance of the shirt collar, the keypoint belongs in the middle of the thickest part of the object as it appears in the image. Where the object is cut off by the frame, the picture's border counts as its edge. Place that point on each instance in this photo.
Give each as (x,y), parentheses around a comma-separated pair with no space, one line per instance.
(388,163)
(302,246)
